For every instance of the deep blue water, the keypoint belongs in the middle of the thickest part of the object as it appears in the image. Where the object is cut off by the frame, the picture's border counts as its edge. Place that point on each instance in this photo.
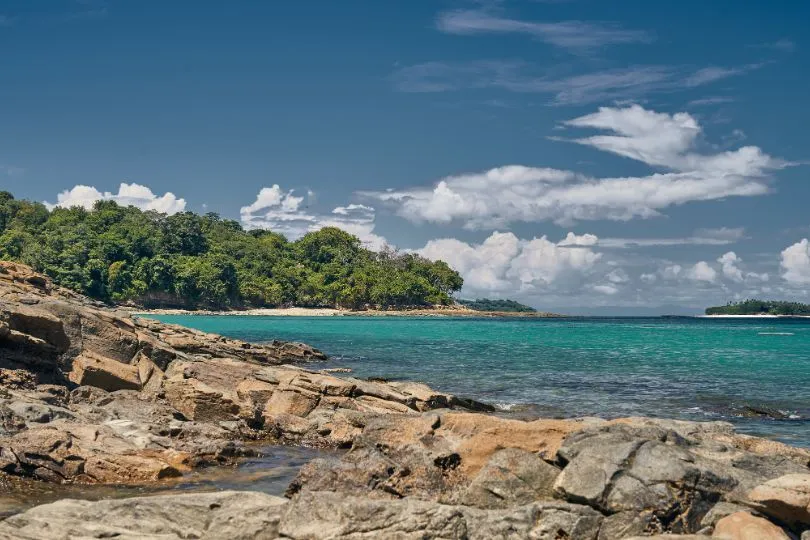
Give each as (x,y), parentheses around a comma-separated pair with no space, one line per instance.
(696,369)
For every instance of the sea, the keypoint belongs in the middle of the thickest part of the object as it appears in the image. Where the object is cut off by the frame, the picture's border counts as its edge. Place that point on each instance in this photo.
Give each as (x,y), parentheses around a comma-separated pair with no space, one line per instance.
(754,373)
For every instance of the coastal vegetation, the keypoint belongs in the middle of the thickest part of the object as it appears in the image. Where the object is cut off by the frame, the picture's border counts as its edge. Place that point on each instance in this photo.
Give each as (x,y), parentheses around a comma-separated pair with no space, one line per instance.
(505,306)
(122,254)
(761,307)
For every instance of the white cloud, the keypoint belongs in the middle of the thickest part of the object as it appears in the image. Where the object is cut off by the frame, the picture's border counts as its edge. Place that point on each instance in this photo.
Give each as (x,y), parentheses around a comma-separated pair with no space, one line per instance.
(505,263)
(706,237)
(730,270)
(128,195)
(672,271)
(702,272)
(796,262)
(497,197)
(633,82)
(605,289)
(282,211)
(649,278)
(572,35)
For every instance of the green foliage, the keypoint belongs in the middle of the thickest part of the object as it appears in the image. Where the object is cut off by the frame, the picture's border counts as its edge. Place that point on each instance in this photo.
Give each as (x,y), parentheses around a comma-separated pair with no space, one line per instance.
(121,254)
(485,304)
(760,307)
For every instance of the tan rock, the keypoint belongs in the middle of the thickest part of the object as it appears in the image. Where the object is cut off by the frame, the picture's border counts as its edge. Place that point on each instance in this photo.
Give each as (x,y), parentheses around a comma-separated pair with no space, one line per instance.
(744,526)
(482,435)
(198,401)
(255,393)
(294,402)
(786,498)
(92,370)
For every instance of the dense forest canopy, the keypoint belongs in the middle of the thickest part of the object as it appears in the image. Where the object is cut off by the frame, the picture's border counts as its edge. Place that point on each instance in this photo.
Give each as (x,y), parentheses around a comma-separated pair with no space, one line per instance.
(760,307)
(120,254)
(506,306)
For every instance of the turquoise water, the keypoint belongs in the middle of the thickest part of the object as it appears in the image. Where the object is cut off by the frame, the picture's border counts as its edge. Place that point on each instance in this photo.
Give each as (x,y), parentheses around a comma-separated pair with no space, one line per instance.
(694,369)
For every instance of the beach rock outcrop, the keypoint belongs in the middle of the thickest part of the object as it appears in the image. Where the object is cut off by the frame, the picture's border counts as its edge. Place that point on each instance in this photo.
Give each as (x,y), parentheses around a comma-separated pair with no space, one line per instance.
(92,395)
(644,476)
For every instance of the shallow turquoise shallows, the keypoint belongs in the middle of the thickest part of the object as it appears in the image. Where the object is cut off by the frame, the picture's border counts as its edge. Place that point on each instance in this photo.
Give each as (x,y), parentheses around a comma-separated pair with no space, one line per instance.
(754,373)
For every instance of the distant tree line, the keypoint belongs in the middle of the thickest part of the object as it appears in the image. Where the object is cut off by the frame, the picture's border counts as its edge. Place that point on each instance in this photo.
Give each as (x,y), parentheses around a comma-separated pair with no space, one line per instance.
(760,307)
(121,254)
(485,304)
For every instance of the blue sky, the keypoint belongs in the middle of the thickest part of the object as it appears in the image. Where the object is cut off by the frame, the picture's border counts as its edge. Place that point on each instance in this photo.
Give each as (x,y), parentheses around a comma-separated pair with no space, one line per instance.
(668,138)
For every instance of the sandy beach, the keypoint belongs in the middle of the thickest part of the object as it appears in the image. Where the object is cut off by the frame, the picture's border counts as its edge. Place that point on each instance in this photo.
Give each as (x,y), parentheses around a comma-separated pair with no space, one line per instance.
(331,312)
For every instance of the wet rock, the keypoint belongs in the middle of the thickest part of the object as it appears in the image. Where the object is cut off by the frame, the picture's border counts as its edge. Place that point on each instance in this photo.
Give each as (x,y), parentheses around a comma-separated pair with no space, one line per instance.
(744,526)
(786,499)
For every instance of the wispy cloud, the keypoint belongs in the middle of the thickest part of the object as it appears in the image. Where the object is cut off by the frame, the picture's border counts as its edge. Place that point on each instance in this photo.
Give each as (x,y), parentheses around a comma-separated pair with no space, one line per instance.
(515,76)
(715,73)
(714,100)
(782,45)
(6,20)
(11,171)
(571,35)
(701,237)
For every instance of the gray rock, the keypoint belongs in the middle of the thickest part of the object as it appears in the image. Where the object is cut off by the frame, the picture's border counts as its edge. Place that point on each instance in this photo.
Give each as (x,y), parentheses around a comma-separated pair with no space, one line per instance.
(231,515)
(332,515)
(511,477)
(625,468)
(721,510)
(40,413)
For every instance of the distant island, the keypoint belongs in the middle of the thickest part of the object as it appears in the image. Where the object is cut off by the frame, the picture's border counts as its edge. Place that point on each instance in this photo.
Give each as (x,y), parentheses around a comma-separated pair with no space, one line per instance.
(504,306)
(761,307)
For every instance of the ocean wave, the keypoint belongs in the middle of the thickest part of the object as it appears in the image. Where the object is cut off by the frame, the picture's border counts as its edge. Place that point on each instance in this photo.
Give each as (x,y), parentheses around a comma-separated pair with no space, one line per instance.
(776,334)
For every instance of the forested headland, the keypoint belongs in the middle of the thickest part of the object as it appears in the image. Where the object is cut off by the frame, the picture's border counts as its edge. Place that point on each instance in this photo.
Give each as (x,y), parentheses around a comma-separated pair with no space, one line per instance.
(122,254)
(505,306)
(761,307)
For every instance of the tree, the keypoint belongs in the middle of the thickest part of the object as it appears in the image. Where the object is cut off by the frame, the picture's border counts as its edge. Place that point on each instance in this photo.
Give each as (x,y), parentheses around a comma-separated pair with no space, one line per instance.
(115,253)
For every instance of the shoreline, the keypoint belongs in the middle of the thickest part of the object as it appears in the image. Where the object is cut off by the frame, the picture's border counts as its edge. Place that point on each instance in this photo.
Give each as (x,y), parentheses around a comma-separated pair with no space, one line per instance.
(760,316)
(333,312)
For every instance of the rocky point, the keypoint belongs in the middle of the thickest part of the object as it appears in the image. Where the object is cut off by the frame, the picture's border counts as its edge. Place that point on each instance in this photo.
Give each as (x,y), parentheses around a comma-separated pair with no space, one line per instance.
(89,394)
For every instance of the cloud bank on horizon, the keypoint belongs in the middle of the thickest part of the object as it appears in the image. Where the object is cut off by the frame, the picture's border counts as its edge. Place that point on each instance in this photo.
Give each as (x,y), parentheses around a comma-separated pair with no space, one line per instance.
(574,266)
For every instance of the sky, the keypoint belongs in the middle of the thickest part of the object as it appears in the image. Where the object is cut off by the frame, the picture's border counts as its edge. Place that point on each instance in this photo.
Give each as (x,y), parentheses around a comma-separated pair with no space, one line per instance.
(580,156)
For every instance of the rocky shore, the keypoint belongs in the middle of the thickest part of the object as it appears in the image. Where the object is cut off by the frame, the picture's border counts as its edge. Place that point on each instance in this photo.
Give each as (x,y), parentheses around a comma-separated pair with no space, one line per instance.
(91,395)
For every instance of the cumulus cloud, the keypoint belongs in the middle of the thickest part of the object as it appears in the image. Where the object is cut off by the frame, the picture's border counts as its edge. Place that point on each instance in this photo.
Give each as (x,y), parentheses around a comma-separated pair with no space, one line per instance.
(503,262)
(605,289)
(796,263)
(128,195)
(702,272)
(284,212)
(494,198)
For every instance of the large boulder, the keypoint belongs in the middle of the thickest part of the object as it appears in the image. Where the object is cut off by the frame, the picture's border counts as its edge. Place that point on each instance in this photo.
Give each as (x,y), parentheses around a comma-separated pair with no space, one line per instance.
(786,499)
(744,526)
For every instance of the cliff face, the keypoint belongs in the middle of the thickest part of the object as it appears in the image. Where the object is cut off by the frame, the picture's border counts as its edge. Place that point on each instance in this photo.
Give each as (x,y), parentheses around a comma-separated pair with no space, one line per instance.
(91,395)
